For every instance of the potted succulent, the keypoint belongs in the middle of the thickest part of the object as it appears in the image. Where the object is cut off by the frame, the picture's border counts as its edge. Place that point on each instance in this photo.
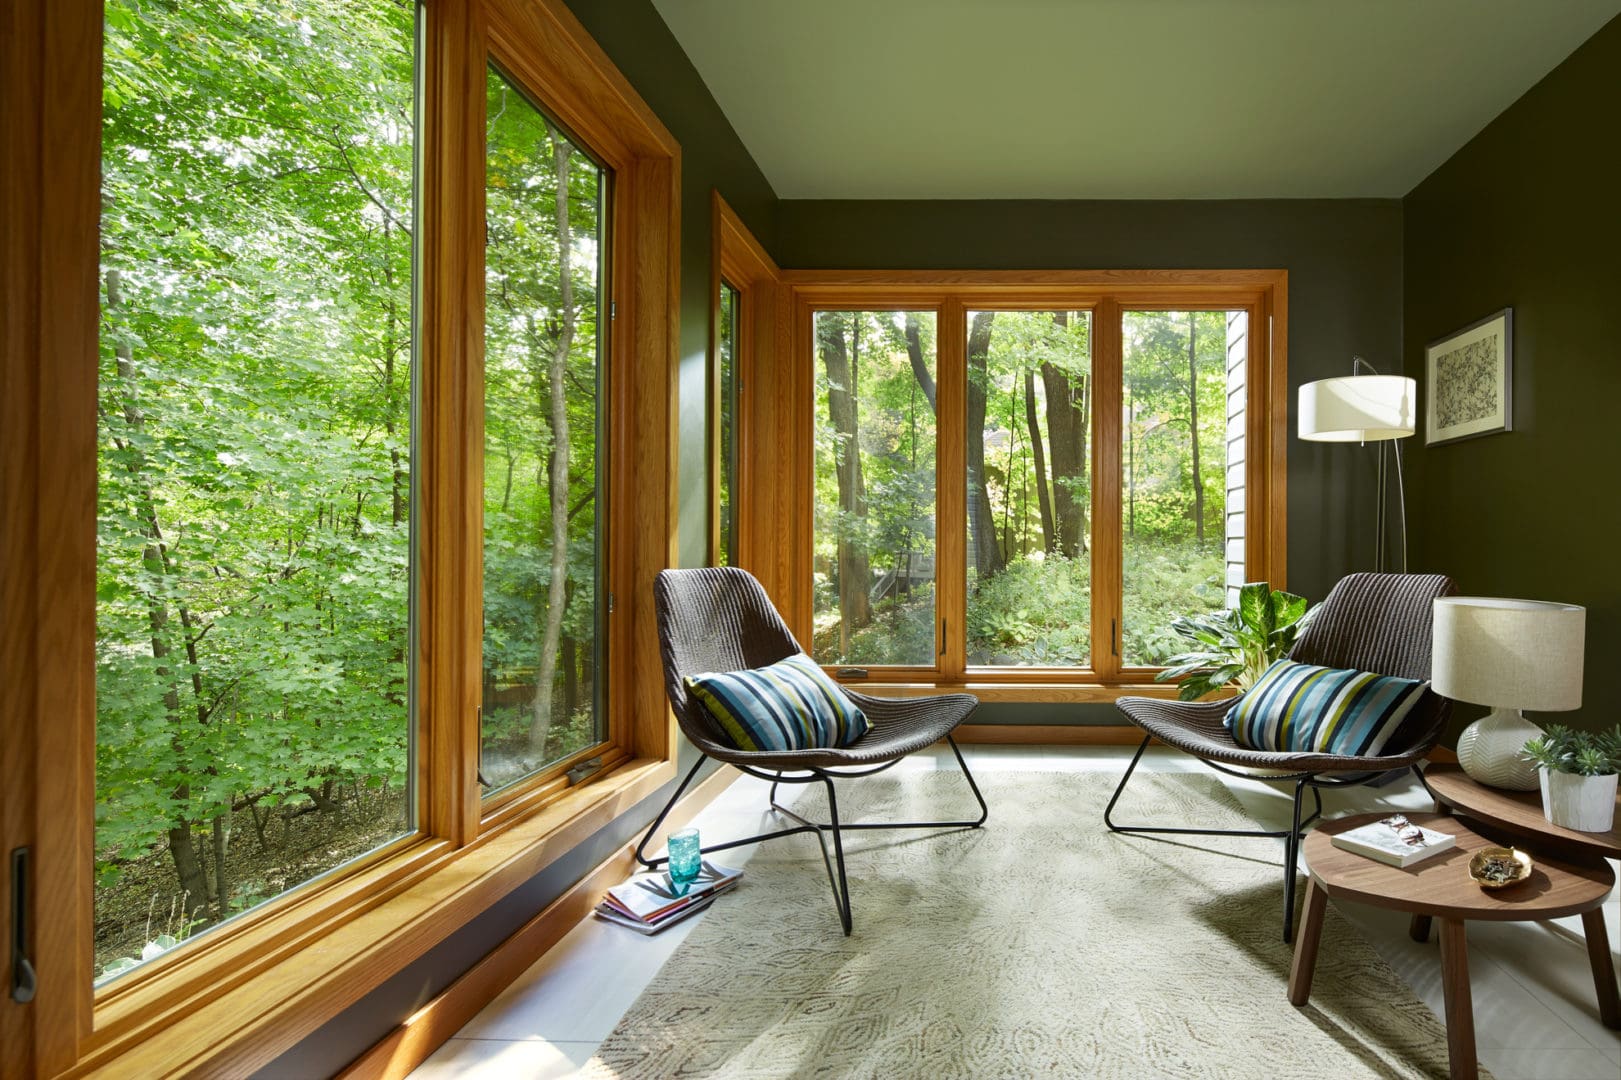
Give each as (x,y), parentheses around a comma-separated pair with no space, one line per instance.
(1578,771)
(1236,645)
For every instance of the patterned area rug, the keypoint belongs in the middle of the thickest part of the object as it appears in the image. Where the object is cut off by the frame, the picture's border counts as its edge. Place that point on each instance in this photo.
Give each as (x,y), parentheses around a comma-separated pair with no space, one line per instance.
(1041,945)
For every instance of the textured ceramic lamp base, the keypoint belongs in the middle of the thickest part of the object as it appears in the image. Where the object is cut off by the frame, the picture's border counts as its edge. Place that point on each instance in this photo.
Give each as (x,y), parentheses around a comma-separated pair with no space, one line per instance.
(1489,750)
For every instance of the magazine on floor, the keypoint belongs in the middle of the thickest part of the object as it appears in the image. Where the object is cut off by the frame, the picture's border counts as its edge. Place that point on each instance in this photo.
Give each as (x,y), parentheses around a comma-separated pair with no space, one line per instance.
(650,901)
(1394,840)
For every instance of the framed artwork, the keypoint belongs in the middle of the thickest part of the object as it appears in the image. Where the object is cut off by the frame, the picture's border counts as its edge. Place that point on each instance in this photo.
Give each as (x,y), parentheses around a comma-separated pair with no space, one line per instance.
(1469,376)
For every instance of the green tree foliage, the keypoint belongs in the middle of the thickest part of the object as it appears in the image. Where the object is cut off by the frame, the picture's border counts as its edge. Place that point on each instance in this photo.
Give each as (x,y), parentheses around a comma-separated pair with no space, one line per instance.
(254,496)
(1029,485)
(543,209)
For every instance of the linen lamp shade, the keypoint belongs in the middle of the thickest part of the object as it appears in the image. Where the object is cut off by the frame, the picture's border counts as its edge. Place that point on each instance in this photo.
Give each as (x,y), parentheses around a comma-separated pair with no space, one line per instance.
(1358,408)
(1511,655)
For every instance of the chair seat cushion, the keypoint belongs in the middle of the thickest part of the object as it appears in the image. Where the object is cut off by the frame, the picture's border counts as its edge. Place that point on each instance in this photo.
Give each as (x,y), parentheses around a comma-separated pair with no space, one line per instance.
(789,705)
(1310,709)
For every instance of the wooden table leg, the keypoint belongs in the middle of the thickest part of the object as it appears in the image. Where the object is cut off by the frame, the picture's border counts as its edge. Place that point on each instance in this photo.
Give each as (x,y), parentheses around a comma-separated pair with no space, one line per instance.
(1306,938)
(1598,953)
(1460,1007)
(1419,928)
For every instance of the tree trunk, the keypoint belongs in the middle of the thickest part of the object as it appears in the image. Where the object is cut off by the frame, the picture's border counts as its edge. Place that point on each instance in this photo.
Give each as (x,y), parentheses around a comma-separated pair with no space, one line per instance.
(192,878)
(920,367)
(391,411)
(1193,427)
(557,479)
(981,521)
(1066,430)
(855,571)
(1049,540)
(222,878)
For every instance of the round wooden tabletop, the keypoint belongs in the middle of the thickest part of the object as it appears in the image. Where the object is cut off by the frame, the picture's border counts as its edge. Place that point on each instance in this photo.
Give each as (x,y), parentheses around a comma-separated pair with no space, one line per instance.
(1518,812)
(1440,886)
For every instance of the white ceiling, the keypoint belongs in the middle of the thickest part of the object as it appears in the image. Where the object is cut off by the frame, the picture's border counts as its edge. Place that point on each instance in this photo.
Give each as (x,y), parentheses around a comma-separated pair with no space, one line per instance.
(1117,99)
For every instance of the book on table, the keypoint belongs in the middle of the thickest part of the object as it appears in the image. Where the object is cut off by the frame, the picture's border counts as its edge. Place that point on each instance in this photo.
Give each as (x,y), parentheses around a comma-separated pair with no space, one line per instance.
(650,901)
(1394,840)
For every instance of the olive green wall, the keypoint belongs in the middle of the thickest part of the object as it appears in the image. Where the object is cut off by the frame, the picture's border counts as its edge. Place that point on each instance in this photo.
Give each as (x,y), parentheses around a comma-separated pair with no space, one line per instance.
(637,41)
(1344,263)
(1526,216)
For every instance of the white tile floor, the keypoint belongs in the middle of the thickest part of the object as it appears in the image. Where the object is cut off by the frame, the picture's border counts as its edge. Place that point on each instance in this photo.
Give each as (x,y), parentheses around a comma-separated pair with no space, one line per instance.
(1535,1017)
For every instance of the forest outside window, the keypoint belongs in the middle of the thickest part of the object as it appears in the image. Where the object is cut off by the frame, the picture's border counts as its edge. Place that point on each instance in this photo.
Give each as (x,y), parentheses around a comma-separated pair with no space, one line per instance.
(1119,460)
(254,714)
(727,315)
(543,427)
(243,631)
(875,491)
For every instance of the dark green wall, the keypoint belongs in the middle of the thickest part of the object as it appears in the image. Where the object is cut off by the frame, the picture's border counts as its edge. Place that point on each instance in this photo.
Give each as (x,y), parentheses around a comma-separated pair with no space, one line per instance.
(1344,263)
(1526,216)
(636,39)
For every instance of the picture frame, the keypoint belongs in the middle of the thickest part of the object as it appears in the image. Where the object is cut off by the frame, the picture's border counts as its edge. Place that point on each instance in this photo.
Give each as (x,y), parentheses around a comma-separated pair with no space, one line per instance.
(1469,381)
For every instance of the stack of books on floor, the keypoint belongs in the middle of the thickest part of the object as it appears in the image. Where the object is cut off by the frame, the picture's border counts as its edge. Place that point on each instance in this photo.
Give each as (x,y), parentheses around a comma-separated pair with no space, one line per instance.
(648,903)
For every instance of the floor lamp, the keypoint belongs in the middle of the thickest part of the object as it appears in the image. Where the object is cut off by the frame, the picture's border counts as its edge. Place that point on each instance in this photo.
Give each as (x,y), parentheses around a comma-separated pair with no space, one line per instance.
(1364,408)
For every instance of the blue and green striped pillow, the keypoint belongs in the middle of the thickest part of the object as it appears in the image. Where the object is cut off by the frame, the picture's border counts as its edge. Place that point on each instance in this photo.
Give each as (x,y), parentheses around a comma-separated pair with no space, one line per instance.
(789,705)
(1319,710)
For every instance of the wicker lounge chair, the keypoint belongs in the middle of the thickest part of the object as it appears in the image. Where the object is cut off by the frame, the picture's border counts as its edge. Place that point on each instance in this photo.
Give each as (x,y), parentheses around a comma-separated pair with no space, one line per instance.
(1369,622)
(720,619)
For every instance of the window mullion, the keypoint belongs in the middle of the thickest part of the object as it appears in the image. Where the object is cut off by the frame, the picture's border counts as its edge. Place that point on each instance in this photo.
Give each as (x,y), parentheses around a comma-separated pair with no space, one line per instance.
(951,466)
(1106,539)
(451,429)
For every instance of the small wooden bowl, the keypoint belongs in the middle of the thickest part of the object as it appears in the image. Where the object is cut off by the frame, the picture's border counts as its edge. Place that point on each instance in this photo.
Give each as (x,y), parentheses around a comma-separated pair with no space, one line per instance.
(1477,866)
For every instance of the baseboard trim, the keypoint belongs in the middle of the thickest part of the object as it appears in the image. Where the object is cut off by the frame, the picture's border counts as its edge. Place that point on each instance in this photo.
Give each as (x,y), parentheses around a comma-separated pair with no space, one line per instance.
(408,1045)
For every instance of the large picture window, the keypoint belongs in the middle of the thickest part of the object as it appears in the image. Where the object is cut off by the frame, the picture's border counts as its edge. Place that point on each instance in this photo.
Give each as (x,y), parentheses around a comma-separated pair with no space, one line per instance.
(317,449)
(255,481)
(542,420)
(1109,457)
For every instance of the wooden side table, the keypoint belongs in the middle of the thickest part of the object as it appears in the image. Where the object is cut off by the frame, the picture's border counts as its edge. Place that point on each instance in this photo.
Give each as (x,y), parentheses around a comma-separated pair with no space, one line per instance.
(1440,887)
(1512,817)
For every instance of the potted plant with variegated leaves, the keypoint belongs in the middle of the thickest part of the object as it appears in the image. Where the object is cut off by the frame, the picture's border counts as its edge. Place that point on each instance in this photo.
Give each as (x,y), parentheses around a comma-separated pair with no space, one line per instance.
(1578,771)
(1236,645)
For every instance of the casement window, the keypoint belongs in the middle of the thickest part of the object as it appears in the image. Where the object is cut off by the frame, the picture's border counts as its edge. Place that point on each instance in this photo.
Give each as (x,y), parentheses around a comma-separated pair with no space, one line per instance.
(339,365)
(1015,481)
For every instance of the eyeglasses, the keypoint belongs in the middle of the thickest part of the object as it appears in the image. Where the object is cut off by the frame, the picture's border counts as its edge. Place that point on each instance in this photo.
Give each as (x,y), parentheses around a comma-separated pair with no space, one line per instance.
(1405,830)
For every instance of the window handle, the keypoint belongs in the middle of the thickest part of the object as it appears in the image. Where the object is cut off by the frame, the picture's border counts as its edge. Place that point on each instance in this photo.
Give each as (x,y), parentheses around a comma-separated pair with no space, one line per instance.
(23,980)
(851,673)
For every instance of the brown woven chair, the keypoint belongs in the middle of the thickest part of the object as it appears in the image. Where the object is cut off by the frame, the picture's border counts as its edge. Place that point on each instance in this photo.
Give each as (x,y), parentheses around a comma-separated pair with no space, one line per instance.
(1369,622)
(720,619)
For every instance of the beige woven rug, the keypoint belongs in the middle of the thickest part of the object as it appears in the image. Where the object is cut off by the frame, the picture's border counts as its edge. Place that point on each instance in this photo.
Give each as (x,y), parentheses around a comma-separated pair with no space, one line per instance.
(1041,945)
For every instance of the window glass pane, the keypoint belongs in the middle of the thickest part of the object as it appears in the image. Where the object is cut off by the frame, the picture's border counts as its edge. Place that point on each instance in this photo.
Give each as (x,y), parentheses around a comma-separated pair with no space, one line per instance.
(727,348)
(254,540)
(1184,373)
(543,651)
(1029,489)
(875,488)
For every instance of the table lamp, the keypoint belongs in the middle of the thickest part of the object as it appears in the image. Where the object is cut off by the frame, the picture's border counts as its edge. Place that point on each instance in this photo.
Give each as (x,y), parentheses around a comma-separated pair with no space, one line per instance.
(1363,409)
(1509,655)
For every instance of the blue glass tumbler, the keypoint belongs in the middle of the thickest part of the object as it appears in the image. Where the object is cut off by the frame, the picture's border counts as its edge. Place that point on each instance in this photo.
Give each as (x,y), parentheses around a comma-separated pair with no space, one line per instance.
(685,860)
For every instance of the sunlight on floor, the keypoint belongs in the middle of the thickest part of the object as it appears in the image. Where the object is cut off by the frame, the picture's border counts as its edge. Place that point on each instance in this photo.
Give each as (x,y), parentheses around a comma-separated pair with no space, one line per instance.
(1535,1018)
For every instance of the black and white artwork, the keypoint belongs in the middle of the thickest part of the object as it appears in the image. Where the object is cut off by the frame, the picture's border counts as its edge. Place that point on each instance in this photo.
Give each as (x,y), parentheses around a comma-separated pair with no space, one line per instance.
(1469,380)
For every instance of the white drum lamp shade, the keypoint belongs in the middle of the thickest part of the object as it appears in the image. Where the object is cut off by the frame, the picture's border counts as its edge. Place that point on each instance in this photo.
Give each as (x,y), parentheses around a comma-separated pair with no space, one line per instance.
(1358,408)
(1511,655)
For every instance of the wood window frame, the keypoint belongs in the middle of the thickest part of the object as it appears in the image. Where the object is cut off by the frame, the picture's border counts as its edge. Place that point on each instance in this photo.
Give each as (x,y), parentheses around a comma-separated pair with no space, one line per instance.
(1262,294)
(761,519)
(238,997)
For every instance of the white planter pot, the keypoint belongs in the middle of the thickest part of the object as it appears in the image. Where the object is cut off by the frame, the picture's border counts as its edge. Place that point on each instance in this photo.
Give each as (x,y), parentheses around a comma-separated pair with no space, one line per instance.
(1583,803)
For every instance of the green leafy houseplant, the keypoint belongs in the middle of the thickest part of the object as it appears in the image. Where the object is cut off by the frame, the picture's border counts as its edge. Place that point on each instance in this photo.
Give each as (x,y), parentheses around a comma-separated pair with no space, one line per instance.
(1236,645)
(1580,753)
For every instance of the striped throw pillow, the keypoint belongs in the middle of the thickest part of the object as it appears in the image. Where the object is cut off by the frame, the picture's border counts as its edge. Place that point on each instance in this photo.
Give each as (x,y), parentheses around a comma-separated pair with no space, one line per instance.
(790,705)
(1319,710)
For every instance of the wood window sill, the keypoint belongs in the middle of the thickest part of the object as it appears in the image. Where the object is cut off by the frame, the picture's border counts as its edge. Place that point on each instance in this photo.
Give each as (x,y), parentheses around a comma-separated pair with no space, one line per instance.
(234,1008)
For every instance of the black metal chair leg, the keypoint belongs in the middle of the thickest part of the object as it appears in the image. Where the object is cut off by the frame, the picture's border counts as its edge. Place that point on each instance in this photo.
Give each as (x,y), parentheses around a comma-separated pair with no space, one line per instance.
(1108,811)
(641,848)
(984,811)
(841,892)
